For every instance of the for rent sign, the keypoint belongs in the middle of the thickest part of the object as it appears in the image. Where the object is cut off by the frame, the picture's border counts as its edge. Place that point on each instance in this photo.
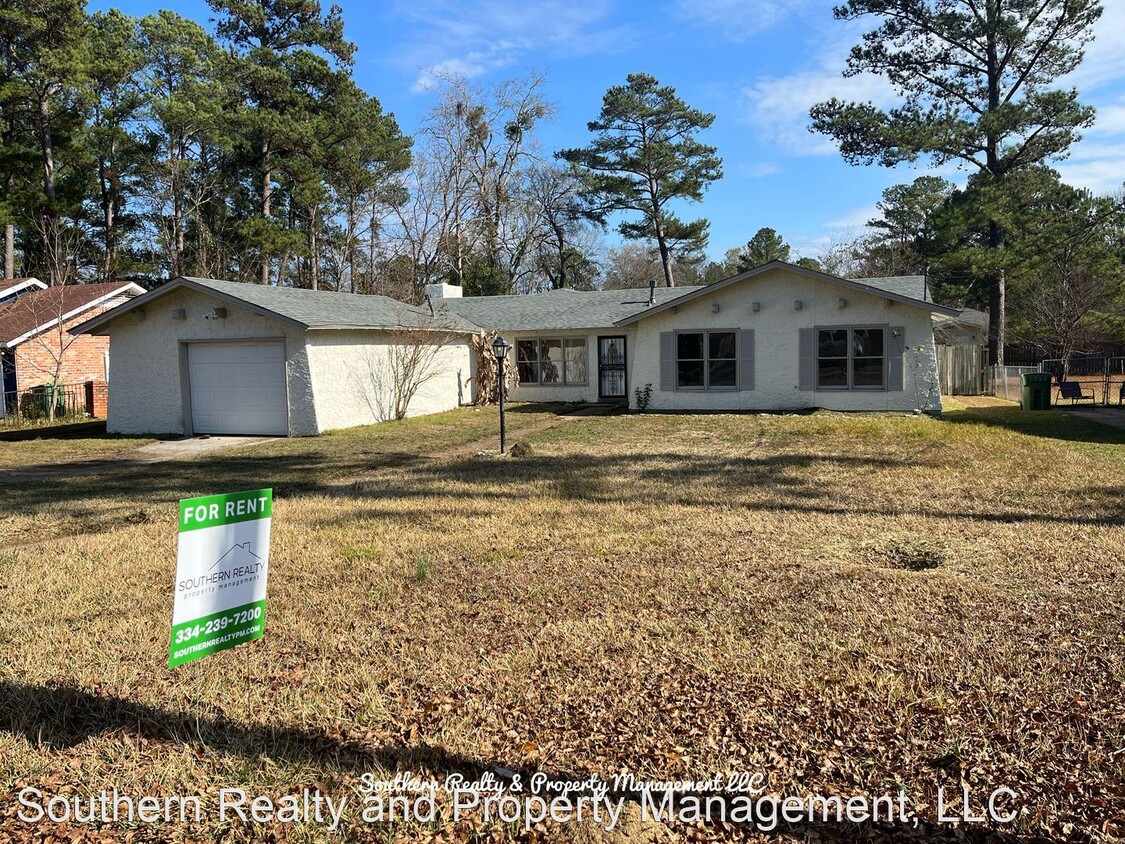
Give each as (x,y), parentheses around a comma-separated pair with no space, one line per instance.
(220,573)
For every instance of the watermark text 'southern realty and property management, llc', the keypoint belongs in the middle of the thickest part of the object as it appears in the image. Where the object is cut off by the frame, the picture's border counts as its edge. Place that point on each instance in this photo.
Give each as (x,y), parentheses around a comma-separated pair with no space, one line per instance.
(511,800)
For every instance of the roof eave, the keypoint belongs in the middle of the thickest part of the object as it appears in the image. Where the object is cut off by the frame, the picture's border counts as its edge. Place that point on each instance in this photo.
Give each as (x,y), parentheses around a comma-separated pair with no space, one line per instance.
(175,284)
(93,303)
(773,265)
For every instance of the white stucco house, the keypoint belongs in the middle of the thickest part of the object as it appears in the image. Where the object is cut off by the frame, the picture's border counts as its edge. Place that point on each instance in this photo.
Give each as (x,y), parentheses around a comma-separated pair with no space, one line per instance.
(777,337)
(205,356)
(201,356)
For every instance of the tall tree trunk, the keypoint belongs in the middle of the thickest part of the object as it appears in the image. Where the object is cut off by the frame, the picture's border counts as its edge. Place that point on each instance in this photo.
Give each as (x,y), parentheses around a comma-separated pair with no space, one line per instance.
(314,256)
(52,234)
(108,221)
(997,300)
(665,256)
(9,251)
(267,177)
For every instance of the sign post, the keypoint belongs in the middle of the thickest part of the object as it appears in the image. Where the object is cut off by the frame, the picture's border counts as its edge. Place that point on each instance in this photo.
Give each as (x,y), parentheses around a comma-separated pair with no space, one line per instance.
(221,572)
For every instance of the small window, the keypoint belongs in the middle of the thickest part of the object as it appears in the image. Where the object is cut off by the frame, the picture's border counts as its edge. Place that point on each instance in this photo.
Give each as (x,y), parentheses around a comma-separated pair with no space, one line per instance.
(527,359)
(550,362)
(721,360)
(575,360)
(689,361)
(706,360)
(851,358)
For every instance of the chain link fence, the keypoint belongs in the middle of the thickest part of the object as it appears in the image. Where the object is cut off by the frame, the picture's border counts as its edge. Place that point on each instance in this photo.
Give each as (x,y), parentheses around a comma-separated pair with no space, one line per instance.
(1103,377)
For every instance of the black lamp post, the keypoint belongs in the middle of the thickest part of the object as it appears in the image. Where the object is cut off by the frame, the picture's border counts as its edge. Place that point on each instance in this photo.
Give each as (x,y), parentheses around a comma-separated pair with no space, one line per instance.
(500,348)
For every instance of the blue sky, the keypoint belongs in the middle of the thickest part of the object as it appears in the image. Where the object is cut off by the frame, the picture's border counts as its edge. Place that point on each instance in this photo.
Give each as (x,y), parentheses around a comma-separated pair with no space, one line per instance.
(756,64)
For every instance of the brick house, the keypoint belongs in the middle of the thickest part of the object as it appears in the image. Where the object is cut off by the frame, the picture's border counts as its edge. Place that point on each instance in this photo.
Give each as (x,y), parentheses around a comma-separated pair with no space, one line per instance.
(36,347)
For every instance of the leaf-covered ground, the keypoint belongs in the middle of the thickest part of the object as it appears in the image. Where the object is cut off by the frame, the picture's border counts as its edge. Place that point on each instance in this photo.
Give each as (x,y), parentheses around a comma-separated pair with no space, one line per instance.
(850,604)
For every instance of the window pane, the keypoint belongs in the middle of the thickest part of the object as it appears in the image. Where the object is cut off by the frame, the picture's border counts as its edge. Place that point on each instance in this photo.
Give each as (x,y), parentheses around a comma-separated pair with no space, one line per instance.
(575,362)
(527,361)
(689,373)
(833,344)
(832,373)
(550,361)
(867,372)
(721,373)
(527,350)
(867,342)
(689,347)
(721,345)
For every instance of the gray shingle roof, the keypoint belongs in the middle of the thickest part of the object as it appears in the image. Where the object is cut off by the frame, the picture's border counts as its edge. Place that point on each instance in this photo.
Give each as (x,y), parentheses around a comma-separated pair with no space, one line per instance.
(556,310)
(307,308)
(326,309)
(913,286)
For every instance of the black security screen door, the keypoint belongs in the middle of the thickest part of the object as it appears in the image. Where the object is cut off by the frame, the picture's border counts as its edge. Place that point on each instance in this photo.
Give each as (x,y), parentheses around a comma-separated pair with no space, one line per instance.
(611,367)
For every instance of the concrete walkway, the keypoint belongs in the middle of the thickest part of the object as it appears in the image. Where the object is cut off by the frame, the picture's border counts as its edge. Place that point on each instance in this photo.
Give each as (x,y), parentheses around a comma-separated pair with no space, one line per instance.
(192,447)
(1112,416)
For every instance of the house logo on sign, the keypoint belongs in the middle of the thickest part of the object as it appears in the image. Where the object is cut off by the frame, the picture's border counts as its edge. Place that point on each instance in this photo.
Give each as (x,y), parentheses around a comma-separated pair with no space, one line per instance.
(236,553)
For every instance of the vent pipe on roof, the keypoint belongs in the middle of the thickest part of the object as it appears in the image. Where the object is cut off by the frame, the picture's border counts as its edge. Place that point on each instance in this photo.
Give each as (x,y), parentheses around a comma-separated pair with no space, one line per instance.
(652,291)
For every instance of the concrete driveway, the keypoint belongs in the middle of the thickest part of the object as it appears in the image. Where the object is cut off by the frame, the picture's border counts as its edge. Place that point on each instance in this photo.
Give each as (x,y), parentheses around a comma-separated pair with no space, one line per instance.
(157,452)
(1112,416)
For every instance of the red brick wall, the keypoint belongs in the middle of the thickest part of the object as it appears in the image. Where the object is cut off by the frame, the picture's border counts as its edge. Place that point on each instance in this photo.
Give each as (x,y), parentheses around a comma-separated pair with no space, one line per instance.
(97,399)
(82,356)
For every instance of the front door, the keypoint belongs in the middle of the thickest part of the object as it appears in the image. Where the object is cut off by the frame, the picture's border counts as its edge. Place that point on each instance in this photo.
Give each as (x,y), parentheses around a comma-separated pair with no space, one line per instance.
(611,368)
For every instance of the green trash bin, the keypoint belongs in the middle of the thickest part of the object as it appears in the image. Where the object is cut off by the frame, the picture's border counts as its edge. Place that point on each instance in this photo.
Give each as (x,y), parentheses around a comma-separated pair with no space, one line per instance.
(1036,391)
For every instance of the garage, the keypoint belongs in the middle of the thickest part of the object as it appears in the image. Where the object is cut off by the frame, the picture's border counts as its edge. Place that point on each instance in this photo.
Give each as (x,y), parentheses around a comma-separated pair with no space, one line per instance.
(238,388)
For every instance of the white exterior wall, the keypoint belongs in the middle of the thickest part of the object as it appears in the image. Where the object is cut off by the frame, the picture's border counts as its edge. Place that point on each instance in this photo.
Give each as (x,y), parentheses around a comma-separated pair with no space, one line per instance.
(350,373)
(146,388)
(776,351)
(587,392)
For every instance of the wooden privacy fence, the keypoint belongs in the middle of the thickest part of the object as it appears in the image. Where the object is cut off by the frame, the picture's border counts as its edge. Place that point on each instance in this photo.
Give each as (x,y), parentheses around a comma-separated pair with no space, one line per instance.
(963,370)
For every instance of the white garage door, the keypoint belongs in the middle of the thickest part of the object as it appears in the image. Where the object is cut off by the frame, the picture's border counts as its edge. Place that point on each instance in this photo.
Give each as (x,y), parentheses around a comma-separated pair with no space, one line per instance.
(237,388)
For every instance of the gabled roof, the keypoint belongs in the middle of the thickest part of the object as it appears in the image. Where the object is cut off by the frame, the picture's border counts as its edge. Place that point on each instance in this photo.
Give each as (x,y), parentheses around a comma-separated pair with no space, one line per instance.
(40,310)
(10,288)
(775,265)
(557,310)
(305,309)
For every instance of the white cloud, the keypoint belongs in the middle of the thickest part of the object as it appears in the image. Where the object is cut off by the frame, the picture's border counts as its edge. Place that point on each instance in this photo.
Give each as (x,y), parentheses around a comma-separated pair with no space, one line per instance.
(479,36)
(1105,60)
(759,169)
(778,107)
(737,20)
(1095,165)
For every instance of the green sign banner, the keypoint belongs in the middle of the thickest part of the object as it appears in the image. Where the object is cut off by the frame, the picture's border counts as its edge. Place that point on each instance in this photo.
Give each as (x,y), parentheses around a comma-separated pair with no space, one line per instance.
(221,573)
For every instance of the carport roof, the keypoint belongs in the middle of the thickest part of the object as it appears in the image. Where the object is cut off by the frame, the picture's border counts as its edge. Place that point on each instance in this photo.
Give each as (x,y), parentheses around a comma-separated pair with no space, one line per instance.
(308,309)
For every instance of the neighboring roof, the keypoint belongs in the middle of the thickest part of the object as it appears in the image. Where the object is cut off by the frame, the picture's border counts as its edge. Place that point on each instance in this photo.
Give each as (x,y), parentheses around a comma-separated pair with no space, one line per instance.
(774,265)
(12,287)
(969,327)
(557,310)
(36,312)
(913,286)
(307,309)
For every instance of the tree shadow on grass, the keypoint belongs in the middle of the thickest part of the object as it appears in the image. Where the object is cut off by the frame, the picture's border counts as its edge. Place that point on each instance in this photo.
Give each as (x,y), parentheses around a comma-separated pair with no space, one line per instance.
(805,483)
(61,717)
(1055,424)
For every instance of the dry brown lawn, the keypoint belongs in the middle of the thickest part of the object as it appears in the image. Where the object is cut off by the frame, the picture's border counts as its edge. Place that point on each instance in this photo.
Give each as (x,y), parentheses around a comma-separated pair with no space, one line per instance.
(850,604)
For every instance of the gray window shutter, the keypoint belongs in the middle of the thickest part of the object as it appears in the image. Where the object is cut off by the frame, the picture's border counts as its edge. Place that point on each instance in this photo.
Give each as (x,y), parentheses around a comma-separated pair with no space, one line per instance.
(746,359)
(896,345)
(806,377)
(667,360)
